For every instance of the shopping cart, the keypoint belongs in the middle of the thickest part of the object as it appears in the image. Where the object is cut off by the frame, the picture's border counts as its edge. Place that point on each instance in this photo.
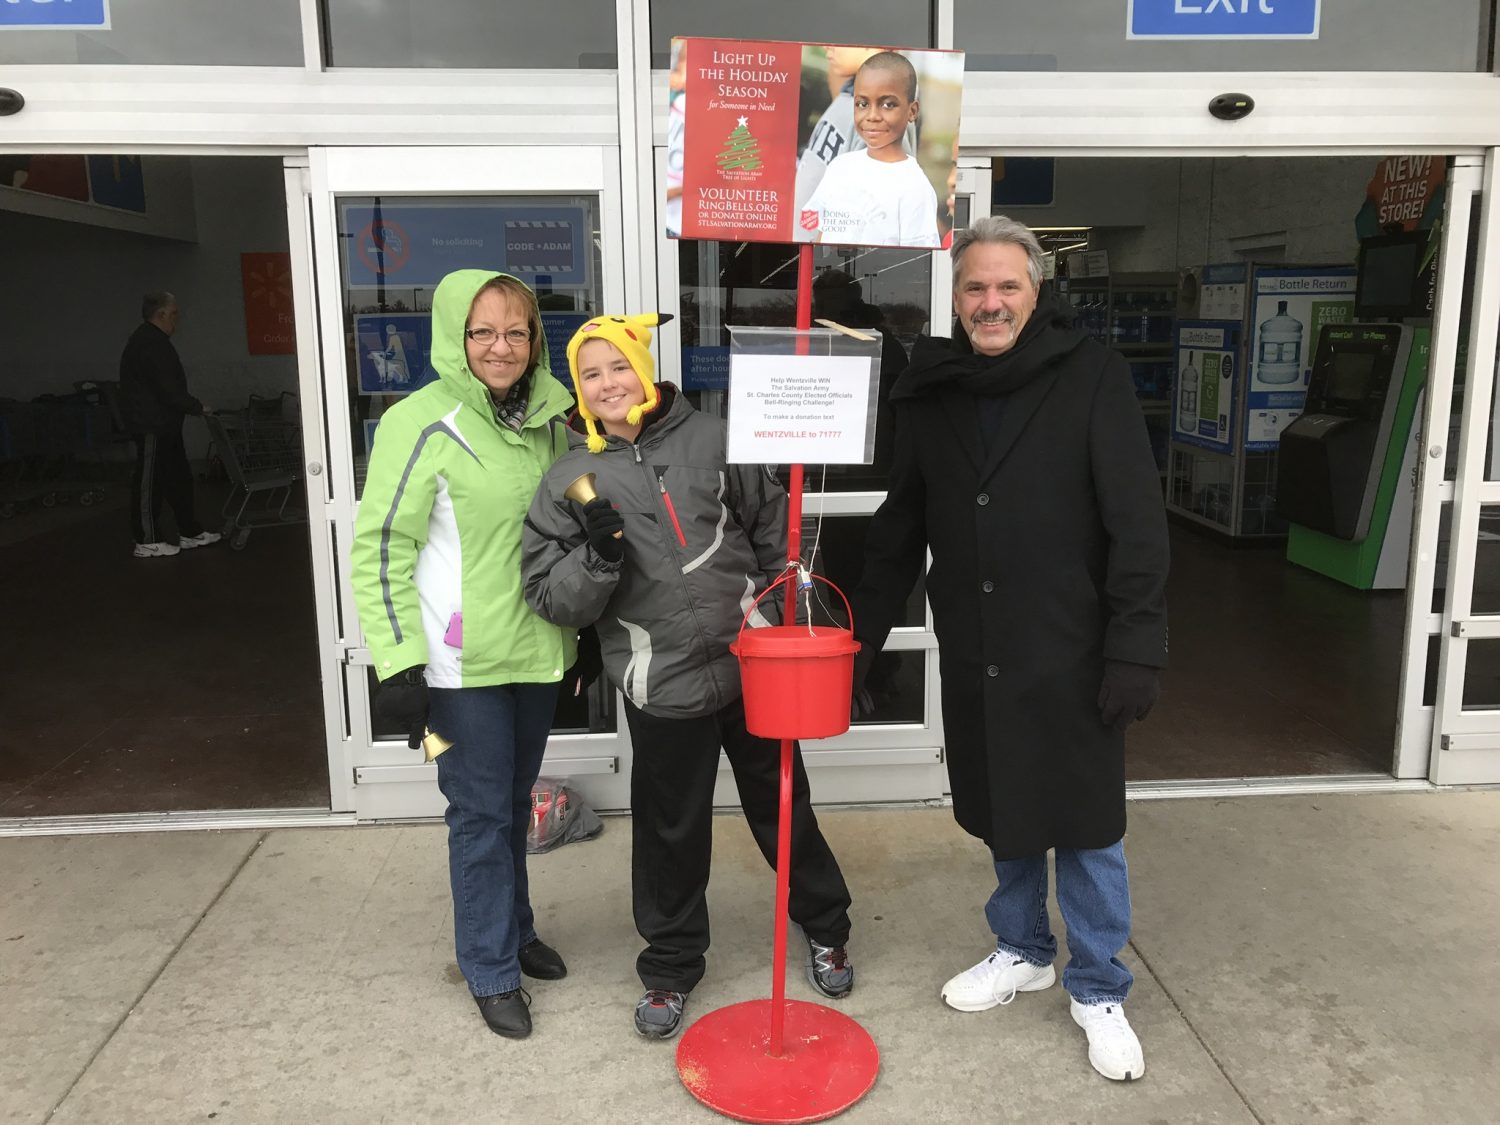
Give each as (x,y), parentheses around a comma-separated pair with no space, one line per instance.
(52,451)
(262,456)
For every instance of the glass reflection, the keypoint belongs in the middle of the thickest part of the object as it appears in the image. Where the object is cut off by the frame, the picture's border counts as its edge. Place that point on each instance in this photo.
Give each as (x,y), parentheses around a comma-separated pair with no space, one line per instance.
(593,712)
(830,21)
(387,324)
(754,283)
(168,33)
(387,308)
(470,34)
(1071,35)
(897,680)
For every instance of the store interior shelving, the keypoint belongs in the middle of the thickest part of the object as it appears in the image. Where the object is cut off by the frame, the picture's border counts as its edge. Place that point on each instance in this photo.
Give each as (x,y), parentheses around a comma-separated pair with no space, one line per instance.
(1135,314)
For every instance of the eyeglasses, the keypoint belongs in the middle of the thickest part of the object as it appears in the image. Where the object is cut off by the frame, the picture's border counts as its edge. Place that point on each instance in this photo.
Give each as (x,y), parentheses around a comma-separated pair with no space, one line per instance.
(515,337)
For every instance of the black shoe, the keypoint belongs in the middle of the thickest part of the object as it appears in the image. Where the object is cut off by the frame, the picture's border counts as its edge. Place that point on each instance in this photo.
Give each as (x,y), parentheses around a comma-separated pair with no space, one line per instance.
(658,1014)
(828,969)
(507,1013)
(541,961)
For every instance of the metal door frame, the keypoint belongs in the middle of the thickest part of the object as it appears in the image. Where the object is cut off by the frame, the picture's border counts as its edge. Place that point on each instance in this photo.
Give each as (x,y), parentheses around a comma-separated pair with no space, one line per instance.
(381,779)
(1465,743)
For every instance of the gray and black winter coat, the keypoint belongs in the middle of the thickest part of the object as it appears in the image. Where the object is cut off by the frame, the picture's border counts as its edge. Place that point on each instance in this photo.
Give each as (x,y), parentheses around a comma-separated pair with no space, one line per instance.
(702,539)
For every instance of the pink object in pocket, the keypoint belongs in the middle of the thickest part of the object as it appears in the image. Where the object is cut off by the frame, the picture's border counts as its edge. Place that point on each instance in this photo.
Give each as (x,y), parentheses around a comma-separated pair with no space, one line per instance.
(454,637)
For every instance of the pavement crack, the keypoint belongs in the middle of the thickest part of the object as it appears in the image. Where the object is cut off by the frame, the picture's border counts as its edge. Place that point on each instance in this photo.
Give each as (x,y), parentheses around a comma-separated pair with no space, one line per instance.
(156,976)
(1197,1035)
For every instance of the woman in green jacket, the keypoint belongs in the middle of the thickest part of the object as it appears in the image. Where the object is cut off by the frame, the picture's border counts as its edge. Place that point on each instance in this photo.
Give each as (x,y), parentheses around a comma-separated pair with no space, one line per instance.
(437,579)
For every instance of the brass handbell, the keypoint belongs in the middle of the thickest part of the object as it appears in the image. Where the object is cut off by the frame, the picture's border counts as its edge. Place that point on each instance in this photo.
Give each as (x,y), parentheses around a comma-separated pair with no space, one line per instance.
(582,491)
(433,744)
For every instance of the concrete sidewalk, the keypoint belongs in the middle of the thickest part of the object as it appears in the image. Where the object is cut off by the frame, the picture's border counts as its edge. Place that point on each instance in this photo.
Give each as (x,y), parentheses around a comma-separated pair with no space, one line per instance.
(1329,958)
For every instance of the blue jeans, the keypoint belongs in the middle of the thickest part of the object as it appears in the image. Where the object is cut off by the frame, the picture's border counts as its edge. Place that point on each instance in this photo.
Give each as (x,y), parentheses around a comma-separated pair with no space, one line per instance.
(1093,890)
(498,735)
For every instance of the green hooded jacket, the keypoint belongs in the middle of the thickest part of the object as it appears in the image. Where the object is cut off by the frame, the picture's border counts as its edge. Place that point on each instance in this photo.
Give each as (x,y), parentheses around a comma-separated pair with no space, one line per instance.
(436,559)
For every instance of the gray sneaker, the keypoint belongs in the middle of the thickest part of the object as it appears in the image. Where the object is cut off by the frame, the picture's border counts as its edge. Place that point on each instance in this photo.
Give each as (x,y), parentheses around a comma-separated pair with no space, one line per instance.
(160,550)
(658,1014)
(829,970)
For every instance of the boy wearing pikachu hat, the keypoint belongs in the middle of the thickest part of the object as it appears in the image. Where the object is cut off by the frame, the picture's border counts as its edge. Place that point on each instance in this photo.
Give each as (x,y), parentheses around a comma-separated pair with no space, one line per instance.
(663,550)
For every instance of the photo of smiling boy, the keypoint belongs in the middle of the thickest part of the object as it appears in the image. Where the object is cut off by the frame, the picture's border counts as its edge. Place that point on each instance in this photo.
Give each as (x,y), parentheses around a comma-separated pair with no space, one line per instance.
(878,195)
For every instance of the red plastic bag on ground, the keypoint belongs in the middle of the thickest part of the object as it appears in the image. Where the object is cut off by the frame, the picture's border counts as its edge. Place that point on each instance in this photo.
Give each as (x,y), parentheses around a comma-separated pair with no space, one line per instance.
(558,816)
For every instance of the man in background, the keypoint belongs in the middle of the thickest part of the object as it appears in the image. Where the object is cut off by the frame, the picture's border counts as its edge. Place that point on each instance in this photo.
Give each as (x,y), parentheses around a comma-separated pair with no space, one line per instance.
(153,402)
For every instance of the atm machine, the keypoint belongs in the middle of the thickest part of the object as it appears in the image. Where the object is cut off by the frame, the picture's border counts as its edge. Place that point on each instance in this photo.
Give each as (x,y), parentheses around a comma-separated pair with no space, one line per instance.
(1348,463)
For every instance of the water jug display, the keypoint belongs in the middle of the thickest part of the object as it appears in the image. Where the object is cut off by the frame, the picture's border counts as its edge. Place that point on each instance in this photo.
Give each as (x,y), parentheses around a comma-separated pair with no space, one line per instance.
(1187,406)
(1279,353)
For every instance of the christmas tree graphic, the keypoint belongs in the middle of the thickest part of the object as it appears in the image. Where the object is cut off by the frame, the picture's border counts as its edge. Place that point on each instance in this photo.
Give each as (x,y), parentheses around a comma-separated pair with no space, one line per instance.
(743,150)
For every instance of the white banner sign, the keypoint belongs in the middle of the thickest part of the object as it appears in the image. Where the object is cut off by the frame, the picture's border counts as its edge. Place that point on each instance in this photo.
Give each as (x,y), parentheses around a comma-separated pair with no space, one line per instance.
(799,409)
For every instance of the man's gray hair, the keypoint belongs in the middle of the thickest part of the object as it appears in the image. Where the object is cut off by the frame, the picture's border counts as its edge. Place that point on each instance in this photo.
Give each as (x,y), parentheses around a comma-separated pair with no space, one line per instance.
(998,228)
(153,303)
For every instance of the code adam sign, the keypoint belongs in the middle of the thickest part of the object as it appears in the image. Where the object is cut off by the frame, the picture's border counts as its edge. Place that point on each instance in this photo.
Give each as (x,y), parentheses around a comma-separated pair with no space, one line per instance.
(1222,19)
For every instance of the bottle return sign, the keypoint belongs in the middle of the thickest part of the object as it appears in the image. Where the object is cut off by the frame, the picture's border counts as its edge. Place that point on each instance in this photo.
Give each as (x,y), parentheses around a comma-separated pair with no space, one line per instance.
(1222,19)
(54,15)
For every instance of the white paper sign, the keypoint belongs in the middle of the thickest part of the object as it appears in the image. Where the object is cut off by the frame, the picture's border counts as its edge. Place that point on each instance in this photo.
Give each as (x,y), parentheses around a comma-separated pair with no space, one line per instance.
(1089,263)
(798,409)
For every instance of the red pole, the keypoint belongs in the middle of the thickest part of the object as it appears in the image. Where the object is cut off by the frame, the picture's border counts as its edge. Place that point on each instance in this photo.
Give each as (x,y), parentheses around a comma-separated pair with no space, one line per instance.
(793,557)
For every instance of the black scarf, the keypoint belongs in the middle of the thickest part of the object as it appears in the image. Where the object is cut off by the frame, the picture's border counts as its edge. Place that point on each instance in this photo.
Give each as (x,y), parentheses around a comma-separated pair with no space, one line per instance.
(1046,340)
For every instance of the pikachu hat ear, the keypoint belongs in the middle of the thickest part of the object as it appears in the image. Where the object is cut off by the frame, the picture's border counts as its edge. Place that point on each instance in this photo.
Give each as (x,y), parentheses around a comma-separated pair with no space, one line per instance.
(632,335)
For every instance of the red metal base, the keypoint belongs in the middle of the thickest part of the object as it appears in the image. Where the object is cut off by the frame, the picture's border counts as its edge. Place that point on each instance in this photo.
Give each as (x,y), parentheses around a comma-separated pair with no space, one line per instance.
(828,1062)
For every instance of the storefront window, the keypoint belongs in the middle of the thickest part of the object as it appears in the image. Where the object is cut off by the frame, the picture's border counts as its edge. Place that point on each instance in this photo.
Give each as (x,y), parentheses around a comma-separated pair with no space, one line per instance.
(897,687)
(1087,35)
(831,21)
(471,34)
(395,251)
(592,712)
(158,32)
(389,278)
(835,546)
(755,283)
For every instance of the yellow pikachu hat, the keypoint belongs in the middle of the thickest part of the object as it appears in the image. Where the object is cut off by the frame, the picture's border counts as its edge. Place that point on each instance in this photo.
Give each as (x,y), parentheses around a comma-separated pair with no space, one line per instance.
(632,335)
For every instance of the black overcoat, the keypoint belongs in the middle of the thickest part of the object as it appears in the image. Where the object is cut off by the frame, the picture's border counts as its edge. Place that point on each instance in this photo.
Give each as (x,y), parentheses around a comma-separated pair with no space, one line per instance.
(1049,556)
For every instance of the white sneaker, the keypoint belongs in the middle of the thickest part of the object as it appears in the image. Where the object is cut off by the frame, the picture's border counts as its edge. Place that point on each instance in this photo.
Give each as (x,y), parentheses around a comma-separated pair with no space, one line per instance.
(202,539)
(1114,1050)
(155,550)
(996,980)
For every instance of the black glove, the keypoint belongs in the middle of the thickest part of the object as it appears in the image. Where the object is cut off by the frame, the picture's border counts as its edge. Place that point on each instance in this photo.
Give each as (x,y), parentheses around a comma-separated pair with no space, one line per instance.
(603,524)
(1128,693)
(403,701)
(587,666)
(861,703)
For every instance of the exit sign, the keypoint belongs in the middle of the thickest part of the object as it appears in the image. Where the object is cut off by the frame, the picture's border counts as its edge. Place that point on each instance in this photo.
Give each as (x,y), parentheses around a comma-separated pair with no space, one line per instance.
(1222,19)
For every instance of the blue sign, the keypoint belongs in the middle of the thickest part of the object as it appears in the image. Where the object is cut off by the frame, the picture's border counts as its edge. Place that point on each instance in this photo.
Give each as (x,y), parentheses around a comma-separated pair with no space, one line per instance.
(1224,273)
(414,245)
(1222,19)
(52,15)
(1206,383)
(559,327)
(705,367)
(116,182)
(393,350)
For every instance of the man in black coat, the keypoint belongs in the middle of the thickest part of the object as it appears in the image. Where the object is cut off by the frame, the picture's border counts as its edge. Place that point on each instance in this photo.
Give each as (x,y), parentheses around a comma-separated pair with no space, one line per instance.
(154,400)
(1023,464)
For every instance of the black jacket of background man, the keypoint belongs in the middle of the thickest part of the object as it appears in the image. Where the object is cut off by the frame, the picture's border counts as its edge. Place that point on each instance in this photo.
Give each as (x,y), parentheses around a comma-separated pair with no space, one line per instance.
(153,386)
(1030,478)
